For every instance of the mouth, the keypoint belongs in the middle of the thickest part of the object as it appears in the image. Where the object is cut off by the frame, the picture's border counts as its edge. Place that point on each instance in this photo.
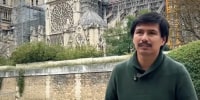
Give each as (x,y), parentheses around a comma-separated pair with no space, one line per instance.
(144,45)
(144,48)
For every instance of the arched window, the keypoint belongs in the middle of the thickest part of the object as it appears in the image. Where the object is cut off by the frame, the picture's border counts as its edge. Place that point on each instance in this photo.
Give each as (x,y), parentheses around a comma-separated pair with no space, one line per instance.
(4,1)
(32,2)
(36,2)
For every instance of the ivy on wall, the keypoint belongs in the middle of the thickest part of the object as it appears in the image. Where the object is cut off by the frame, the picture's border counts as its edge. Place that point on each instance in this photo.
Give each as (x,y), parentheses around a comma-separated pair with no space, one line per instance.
(20,81)
(1,81)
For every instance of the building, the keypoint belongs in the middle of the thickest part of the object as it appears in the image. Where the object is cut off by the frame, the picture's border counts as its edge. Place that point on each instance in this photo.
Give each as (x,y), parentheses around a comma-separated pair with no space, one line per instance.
(75,23)
(118,9)
(6,34)
(69,23)
(29,22)
(16,19)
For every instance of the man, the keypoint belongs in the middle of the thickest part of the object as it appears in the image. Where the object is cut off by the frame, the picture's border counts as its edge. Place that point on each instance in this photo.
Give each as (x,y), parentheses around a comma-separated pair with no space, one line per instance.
(149,74)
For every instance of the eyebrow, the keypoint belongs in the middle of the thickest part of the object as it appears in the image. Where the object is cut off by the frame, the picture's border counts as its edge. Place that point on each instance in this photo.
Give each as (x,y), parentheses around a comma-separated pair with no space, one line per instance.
(147,30)
(153,30)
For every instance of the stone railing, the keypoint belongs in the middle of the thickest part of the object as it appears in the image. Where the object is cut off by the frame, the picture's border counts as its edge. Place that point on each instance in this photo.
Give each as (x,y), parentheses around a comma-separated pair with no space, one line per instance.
(80,79)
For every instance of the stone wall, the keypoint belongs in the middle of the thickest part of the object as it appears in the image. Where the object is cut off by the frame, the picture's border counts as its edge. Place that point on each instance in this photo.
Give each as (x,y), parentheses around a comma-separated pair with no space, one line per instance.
(8,88)
(79,82)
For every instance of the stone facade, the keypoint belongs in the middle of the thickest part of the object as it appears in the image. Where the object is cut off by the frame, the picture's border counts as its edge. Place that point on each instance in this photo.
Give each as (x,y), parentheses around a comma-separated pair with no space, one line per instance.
(81,82)
(6,31)
(84,86)
(94,85)
(74,23)
(8,89)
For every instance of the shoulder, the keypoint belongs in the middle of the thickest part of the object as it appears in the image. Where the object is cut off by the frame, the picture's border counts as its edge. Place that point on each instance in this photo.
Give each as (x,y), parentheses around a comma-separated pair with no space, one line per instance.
(175,66)
(120,67)
(183,83)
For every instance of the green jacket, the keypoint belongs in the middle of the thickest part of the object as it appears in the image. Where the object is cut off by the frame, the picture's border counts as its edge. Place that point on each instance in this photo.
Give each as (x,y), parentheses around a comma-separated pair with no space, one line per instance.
(166,79)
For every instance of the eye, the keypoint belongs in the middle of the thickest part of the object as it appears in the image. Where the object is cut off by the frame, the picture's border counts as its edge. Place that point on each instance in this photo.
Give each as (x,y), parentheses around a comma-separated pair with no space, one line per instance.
(139,32)
(152,33)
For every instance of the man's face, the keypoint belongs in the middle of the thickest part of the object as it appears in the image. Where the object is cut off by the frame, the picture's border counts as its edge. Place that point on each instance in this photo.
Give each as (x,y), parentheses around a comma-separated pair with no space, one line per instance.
(147,39)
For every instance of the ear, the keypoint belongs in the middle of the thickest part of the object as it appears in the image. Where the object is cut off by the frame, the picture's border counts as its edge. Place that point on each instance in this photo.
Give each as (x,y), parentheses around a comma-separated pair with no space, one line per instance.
(164,40)
(133,41)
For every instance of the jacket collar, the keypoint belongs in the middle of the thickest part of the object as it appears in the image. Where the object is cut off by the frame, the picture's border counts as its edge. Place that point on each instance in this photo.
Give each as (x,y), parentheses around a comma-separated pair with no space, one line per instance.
(134,64)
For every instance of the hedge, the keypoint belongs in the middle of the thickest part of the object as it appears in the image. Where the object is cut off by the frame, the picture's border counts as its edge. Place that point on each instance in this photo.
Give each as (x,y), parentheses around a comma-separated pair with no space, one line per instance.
(39,51)
(189,55)
(35,52)
(2,60)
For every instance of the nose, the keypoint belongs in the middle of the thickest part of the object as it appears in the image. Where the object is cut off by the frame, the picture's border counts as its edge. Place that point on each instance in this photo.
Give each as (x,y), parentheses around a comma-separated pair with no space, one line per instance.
(144,37)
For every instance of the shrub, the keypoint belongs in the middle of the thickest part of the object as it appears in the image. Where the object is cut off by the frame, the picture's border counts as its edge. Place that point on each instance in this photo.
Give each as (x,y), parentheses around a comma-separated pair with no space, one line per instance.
(38,51)
(189,55)
(35,52)
(5,61)
(79,52)
(2,60)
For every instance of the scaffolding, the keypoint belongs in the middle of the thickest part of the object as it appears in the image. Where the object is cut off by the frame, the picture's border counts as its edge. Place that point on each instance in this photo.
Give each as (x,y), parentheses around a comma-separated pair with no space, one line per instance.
(6,40)
(122,8)
(173,17)
(25,20)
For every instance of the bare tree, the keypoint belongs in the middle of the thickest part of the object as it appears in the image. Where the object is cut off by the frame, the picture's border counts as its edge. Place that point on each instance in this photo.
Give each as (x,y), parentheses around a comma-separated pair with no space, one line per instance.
(189,13)
(6,44)
(3,48)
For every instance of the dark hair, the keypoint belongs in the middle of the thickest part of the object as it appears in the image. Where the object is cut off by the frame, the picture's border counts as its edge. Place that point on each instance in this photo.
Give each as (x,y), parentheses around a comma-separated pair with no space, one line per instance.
(152,17)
